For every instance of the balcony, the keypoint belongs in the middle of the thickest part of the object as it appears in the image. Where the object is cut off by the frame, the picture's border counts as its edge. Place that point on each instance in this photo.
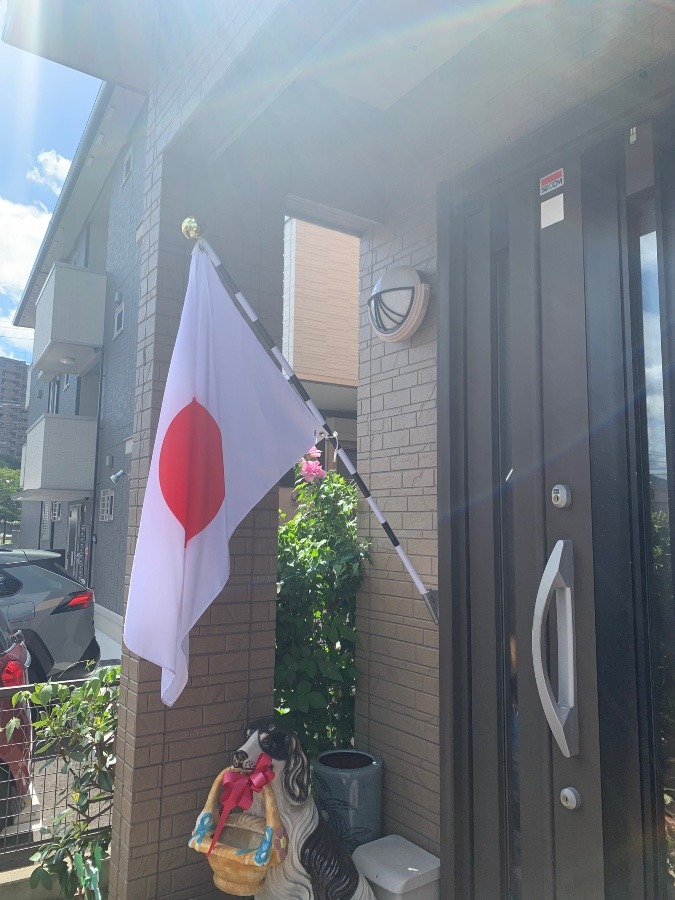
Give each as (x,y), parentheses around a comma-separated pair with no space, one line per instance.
(69,320)
(57,462)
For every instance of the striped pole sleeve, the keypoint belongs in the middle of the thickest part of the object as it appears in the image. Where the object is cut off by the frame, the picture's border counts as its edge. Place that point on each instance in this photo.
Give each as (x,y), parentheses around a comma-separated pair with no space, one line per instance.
(429,597)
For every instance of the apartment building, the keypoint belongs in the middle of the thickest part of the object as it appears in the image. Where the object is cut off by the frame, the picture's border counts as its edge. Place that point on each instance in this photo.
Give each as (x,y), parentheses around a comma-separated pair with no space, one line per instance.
(13,378)
(82,300)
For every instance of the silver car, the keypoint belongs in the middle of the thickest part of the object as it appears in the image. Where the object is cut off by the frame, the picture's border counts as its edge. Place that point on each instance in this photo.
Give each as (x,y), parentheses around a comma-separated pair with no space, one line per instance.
(55,613)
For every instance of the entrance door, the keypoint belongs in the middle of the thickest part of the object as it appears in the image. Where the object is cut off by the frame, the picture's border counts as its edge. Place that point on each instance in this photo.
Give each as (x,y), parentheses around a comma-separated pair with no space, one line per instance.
(559,491)
(73,561)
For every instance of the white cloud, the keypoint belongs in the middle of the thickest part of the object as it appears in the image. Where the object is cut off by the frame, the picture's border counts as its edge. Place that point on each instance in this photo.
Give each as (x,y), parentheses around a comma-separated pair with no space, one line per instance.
(22,227)
(16,343)
(51,170)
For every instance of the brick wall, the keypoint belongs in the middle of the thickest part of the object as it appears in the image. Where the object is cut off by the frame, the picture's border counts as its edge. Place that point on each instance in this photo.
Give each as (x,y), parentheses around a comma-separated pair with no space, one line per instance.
(169,757)
(194,53)
(397,700)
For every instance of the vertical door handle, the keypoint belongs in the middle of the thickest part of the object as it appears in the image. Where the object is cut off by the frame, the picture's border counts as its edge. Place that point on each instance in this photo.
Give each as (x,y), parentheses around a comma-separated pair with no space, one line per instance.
(561,714)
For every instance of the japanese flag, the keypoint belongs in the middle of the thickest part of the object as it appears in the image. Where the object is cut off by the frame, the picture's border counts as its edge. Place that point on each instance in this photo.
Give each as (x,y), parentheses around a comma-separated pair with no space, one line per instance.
(229,428)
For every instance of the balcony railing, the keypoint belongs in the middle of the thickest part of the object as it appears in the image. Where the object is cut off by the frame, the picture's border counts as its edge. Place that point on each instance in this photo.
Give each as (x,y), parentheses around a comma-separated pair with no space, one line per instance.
(69,320)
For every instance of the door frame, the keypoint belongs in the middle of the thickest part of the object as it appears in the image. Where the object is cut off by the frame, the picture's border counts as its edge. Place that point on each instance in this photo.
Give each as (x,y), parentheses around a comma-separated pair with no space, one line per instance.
(636,102)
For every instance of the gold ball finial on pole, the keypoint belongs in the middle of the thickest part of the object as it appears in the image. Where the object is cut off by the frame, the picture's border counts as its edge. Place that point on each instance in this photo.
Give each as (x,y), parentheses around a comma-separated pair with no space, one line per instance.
(191,229)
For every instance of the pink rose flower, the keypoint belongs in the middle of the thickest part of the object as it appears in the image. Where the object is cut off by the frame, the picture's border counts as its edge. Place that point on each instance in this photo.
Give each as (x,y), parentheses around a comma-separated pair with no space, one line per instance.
(313,453)
(310,469)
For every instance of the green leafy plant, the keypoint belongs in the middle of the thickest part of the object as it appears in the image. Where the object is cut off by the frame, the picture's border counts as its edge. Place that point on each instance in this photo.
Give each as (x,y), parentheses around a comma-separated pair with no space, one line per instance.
(319,571)
(10,509)
(77,725)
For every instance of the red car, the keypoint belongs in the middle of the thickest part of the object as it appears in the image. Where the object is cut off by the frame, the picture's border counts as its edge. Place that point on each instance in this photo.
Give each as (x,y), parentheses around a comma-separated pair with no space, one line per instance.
(15,751)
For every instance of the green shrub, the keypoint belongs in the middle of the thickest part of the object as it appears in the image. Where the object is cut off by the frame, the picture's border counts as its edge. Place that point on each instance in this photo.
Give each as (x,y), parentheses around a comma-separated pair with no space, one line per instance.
(319,572)
(77,725)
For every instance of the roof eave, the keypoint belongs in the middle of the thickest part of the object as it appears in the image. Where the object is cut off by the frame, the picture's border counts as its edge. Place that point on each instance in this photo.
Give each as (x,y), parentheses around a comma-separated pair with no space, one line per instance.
(78,36)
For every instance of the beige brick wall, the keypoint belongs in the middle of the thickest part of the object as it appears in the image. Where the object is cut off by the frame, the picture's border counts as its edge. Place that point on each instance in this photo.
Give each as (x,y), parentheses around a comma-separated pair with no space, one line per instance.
(397,701)
(167,758)
(321,302)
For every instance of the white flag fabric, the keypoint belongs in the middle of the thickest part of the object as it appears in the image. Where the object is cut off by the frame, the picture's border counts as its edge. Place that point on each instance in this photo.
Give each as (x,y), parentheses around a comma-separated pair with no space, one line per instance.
(229,428)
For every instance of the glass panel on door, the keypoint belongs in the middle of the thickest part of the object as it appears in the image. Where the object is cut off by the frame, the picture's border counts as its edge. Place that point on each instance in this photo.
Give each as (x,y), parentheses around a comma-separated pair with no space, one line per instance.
(659,586)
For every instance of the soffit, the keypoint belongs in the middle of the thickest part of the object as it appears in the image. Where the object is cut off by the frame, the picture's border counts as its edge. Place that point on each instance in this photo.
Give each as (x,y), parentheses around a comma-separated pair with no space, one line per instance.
(409,39)
(336,398)
(533,67)
(109,40)
(63,495)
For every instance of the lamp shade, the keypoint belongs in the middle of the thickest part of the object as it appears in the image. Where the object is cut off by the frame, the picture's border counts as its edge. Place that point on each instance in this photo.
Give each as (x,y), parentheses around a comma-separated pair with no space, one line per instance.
(398,304)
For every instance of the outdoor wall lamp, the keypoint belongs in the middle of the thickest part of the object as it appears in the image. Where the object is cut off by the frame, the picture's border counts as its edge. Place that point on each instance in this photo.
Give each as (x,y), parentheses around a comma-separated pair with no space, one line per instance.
(398,304)
(116,477)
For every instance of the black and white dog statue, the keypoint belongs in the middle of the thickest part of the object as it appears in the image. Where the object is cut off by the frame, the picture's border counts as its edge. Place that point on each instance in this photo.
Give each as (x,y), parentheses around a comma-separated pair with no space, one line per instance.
(317,866)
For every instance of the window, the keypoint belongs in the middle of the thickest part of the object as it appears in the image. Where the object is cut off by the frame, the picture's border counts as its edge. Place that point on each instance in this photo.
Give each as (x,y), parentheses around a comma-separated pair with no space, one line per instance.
(119,320)
(53,401)
(9,585)
(106,506)
(51,512)
(127,165)
(46,522)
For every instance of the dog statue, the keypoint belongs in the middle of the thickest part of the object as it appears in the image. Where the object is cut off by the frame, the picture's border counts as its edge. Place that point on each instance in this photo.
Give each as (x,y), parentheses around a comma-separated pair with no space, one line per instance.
(317,866)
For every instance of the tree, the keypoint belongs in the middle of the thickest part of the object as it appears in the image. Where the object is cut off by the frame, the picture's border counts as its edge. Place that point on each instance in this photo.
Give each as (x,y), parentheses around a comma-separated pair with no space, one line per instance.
(10,510)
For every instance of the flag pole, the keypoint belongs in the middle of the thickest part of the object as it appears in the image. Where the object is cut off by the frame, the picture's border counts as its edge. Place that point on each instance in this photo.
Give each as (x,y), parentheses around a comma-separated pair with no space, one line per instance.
(191,231)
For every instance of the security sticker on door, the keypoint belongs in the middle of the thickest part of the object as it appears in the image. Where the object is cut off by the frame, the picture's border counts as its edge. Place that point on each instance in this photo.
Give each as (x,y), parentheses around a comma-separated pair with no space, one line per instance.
(551,182)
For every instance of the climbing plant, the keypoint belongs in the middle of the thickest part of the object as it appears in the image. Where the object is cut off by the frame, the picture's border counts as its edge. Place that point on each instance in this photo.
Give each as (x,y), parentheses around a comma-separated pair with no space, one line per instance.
(319,572)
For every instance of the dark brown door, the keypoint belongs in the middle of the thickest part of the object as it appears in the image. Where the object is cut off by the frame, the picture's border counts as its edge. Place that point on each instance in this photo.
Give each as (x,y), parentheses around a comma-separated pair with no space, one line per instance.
(559,342)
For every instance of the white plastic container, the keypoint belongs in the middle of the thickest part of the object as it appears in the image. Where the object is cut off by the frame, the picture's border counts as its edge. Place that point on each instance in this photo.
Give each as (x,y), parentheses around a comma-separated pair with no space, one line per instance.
(397,868)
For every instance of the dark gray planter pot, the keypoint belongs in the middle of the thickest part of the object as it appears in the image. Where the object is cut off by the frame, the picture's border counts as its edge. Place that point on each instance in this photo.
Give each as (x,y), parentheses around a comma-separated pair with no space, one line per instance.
(348,792)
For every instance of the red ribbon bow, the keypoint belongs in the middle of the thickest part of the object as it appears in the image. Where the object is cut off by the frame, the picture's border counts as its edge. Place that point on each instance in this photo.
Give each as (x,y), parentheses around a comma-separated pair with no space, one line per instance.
(239,789)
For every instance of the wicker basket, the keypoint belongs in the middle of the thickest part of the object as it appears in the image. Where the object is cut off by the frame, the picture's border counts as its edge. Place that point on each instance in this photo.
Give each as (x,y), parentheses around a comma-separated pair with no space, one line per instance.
(247,847)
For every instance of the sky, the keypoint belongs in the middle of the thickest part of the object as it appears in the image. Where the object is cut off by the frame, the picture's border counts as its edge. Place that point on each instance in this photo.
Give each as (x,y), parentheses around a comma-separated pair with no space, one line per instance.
(44,108)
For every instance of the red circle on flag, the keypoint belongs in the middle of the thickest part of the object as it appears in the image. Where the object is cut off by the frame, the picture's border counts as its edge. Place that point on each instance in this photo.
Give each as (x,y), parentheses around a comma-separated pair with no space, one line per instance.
(191,473)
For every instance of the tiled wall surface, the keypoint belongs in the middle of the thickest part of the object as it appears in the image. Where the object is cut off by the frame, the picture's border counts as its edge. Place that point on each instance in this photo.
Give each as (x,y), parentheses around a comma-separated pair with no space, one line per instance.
(123,266)
(169,758)
(397,701)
